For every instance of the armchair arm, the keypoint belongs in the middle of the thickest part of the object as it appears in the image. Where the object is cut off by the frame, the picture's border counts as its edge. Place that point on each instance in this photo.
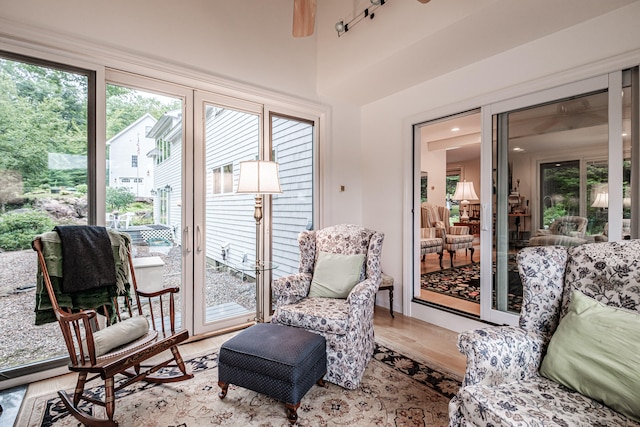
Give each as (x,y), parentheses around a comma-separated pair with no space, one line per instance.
(500,354)
(290,289)
(362,293)
(459,230)
(543,232)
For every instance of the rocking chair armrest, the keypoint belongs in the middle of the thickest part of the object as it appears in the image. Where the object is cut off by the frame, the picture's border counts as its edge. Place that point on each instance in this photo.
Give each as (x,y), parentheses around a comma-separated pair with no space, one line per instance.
(67,317)
(171,290)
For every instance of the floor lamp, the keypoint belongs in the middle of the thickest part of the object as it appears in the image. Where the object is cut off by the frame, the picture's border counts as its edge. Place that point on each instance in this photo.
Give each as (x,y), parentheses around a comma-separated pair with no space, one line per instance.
(259,177)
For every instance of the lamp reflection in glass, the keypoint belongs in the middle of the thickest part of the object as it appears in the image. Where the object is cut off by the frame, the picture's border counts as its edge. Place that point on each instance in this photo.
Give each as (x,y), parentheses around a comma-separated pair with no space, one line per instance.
(259,177)
(464,193)
(601,201)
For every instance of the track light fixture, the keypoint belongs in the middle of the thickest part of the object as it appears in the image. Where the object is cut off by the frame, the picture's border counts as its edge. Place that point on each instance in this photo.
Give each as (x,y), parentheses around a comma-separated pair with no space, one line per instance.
(342,27)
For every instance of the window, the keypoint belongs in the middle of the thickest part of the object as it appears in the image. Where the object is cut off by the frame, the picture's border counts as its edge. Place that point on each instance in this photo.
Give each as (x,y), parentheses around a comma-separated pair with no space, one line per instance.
(134,161)
(47,143)
(223,179)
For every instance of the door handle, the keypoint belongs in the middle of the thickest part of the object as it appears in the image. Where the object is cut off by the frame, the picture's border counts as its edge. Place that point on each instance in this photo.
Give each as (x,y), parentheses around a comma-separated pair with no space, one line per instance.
(185,240)
(198,239)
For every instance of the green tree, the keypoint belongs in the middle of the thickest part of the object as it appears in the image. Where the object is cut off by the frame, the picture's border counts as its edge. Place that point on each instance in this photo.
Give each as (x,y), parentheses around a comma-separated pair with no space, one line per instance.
(42,111)
(125,106)
(119,198)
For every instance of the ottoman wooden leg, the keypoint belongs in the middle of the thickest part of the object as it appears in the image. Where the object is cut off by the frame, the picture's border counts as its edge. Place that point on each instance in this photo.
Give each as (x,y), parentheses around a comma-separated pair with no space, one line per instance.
(292,412)
(223,389)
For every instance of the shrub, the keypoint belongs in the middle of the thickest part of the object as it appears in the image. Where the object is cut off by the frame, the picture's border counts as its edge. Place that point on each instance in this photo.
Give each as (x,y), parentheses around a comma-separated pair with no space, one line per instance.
(17,230)
(119,198)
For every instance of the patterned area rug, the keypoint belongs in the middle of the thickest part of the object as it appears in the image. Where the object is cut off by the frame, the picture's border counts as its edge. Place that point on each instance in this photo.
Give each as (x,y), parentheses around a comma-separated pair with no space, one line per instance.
(464,282)
(395,391)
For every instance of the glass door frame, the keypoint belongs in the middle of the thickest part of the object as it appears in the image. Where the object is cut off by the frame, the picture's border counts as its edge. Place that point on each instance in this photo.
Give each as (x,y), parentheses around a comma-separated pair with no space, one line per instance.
(201,100)
(185,94)
(611,82)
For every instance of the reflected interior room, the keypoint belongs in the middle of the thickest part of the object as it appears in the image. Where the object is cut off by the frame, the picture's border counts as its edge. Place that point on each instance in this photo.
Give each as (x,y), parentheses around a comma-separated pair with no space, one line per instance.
(549,169)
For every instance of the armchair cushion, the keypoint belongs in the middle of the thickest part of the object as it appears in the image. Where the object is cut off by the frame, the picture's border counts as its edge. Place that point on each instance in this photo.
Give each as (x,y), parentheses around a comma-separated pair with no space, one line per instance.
(594,351)
(335,275)
(329,315)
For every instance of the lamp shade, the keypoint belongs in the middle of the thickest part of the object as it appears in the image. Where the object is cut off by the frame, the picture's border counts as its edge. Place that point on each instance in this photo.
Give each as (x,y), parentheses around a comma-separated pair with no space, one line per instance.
(465,191)
(601,201)
(259,176)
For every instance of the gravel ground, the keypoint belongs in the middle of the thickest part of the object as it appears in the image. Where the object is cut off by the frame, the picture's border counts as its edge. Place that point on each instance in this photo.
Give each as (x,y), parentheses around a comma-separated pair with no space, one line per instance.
(22,342)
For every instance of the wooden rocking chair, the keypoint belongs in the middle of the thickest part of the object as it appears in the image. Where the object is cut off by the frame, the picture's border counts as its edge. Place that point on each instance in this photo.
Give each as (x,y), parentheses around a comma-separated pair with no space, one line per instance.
(85,340)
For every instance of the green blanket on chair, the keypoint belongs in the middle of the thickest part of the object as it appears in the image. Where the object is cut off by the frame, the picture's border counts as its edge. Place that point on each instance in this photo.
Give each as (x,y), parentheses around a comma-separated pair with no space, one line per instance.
(93,298)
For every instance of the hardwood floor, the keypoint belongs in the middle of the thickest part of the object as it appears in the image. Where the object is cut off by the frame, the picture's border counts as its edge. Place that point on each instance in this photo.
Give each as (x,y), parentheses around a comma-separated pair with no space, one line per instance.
(422,341)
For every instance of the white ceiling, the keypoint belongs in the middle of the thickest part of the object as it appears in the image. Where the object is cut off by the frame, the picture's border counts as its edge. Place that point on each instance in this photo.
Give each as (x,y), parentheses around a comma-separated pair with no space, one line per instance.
(577,123)
(409,42)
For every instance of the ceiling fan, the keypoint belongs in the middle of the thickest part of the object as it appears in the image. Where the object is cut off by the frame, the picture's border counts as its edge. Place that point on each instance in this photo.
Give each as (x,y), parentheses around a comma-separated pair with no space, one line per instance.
(304,17)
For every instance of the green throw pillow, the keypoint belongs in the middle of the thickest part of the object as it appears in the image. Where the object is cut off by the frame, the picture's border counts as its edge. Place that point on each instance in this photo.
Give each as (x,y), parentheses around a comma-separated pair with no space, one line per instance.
(595,352)
(335,275)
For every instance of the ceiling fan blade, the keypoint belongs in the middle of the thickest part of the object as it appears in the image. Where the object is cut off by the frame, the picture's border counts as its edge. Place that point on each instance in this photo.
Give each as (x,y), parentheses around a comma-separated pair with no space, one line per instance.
(424,1)
(304,17)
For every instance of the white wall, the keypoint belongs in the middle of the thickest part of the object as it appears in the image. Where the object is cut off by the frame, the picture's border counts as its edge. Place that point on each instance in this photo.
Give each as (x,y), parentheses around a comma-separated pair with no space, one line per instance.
(388,121)
(246,40)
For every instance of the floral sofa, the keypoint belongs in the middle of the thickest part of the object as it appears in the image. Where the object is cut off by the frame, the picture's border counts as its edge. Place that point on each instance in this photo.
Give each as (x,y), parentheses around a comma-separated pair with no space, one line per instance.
(346,324)
(502,385)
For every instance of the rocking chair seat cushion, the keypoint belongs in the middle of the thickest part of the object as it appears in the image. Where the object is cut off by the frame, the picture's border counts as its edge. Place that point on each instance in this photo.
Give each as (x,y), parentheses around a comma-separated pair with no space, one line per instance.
(118,334)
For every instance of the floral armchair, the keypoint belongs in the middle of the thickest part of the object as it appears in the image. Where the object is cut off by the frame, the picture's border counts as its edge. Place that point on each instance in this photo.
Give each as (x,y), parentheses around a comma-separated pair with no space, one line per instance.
(563,231)
(346,324)
(626,232)
(453,237)
(502,385)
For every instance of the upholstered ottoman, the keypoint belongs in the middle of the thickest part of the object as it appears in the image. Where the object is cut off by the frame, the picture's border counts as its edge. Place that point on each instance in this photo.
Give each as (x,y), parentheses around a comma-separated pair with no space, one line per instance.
(280,361)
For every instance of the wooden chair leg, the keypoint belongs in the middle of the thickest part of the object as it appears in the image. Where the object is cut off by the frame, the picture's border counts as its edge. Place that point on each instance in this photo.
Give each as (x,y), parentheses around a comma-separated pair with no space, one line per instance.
(472,249)
(109,398)
(224,387)
(440,256)
(292,412)
(77,393)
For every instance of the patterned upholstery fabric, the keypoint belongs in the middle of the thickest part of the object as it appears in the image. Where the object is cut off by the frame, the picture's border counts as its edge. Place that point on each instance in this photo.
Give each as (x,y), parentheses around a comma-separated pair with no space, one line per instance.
(563,231)
(430,243)
(346,324)
(502,386)
(453,237)
(255,359)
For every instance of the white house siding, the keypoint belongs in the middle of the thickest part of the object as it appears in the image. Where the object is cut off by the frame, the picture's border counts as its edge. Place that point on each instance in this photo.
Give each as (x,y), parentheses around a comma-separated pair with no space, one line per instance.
(293,209)
(132,141)
(169,172)
(231,137)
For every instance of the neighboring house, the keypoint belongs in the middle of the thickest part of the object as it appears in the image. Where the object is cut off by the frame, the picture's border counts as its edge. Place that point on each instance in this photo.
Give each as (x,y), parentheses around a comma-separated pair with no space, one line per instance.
(127,163)
(166,156)
(234,242)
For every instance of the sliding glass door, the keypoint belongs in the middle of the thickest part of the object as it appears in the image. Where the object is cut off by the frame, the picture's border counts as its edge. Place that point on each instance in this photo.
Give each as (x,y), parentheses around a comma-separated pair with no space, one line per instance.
(229,132)
(144,185)
(552,177)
